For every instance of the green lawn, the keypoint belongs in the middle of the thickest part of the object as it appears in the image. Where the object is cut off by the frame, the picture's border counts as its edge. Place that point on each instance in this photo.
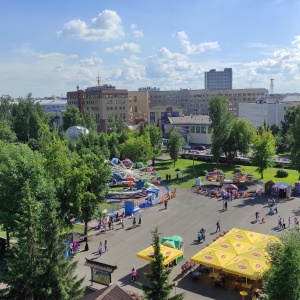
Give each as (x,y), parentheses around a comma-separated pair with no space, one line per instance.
(191,173)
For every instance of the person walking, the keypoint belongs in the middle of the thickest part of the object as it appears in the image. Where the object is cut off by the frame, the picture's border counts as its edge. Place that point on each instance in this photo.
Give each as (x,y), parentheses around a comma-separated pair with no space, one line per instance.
(122,222)
(140,220)
(218,227)
(100,248)
(283,224)
(134,223)
(226,205)
(289,221)
(105,246)
(133,274)
(199,235)
(279,223)
(203,234)
(166,204)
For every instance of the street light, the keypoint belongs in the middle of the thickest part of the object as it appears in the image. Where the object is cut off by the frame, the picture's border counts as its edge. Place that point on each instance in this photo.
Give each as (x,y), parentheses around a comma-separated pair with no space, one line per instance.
(175,285)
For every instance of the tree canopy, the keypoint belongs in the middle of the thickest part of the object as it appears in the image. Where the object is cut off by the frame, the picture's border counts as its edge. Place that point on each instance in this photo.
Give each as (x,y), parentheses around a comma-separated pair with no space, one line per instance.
(160,287)
(175,145)
(283,280)
(264,150)
(221,124)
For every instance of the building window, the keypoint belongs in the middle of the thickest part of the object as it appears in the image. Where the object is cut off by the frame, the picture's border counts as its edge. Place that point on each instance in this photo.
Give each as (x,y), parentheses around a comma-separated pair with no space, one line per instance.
(135,98)
(116,107)
(197,129)
(209,129)
(135,109)
(192,129)
(203,129)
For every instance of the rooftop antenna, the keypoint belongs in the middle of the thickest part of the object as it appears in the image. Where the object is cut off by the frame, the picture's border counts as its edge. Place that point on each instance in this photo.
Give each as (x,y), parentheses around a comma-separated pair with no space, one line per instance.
(272,86)
(98,80)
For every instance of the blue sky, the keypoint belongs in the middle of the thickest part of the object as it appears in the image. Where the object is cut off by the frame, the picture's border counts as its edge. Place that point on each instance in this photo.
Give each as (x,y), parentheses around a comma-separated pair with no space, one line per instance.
(48,47)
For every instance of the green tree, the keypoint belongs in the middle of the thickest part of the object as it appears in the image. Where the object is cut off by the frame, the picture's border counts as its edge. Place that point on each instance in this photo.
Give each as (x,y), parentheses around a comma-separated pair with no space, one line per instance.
(88,120)
(155,138)
(175,145)
(60,280)
(282,279)
(137,149)
(289,118)
(221,123)
(240,137)
(87,184)
(113,144)
(295,148)
(160,287)
(264,150)
(6,133)
(29,120)
(115,124)
(71,117)
(39,268)
(25,265)
(18,165)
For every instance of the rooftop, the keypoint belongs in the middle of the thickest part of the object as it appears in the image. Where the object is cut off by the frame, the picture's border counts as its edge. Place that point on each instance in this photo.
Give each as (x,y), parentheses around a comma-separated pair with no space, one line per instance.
(190,120)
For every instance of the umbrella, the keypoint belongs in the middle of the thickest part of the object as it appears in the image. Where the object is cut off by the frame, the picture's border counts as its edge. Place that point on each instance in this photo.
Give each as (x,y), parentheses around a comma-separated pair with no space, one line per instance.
(249,268)
(229,245)
(168,253)
(232,186)
(238,235)
(256,253)
(251,236)
(213,258)
(266,240)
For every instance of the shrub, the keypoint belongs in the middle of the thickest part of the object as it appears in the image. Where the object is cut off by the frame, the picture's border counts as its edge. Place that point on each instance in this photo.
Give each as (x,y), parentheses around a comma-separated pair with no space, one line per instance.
(237,170)
(177,170)
(220,171)
(281,173)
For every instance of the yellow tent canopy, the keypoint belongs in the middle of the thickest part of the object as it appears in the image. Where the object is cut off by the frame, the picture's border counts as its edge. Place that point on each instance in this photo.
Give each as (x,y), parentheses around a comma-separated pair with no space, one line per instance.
(212,257)
(229,245)
(266,240)
(243,235)
(168,253)
(255,252)
(249,268)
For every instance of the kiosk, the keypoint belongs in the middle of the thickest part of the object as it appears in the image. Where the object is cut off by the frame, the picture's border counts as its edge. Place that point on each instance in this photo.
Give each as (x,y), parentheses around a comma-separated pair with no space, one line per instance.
(131,207)
(175,242)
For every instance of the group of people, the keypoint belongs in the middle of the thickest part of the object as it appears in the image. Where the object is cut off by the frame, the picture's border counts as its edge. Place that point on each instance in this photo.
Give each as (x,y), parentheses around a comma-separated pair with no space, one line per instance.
(201,235)
(108,223)
(134,221)
(100,247)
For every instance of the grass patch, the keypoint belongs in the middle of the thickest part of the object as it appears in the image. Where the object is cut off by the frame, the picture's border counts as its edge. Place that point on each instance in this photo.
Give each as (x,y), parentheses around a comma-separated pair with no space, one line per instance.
(192,172)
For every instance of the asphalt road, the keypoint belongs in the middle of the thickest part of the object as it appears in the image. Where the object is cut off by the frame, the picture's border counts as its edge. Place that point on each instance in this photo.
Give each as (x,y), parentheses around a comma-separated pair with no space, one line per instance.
(186,214)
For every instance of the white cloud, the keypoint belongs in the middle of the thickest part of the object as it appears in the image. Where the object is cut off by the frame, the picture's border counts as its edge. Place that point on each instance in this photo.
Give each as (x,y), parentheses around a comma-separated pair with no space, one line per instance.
(189,48)
(125,47)
(258,45)
(137,33)
(106,26)
(282,62)
(92,61)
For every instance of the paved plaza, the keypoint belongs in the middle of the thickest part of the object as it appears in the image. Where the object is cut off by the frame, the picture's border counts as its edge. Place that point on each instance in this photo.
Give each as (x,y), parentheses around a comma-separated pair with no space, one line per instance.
(186,214)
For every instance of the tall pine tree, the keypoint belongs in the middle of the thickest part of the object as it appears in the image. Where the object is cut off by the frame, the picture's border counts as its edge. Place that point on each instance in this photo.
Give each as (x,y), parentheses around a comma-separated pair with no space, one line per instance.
(160,287)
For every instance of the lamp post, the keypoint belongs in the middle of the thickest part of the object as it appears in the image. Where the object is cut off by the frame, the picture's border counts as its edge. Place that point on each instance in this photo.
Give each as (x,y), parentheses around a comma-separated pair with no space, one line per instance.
(175,285)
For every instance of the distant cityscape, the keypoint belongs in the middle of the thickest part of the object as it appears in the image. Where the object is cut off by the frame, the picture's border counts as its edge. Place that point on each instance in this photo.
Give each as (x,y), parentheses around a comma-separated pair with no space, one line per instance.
(151,105)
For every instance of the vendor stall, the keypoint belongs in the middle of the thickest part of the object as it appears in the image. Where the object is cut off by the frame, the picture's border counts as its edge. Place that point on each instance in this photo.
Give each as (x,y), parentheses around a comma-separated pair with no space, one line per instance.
(170,254)
(282,189)
(131,207)
(176,242)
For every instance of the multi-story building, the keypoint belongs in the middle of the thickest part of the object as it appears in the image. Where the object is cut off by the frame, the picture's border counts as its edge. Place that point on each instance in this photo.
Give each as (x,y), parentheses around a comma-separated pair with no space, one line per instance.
(57,106)
(266,111)
(218,80)
(196,102)
(138,106)
(104,101)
